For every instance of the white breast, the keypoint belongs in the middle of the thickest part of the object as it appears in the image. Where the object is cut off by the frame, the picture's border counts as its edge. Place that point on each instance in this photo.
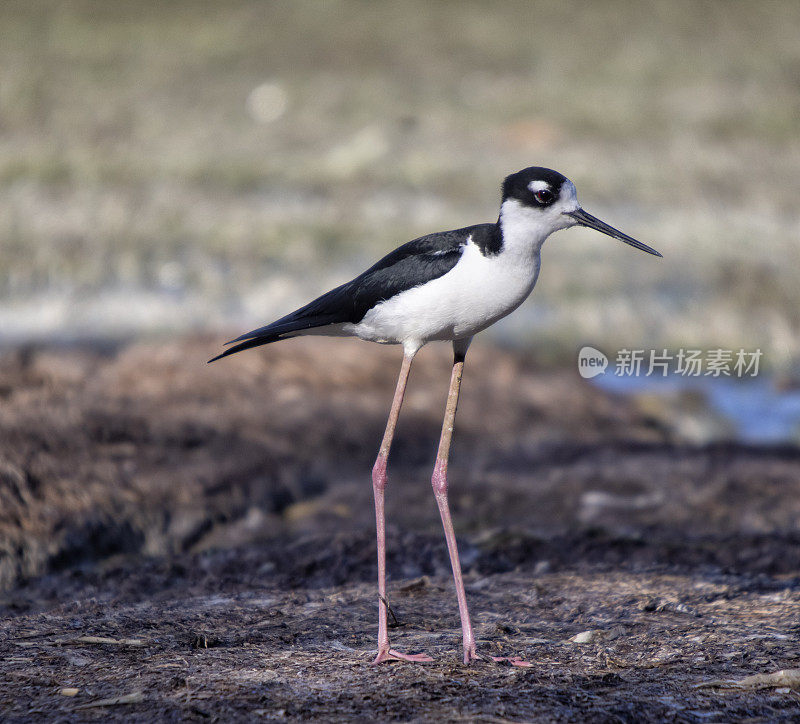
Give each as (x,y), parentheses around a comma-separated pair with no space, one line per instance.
(474,294)
(479,289)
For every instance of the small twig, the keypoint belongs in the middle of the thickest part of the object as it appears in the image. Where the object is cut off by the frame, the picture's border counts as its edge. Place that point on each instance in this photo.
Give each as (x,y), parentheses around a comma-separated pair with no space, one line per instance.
(395,623)
(134,698)
(106,640)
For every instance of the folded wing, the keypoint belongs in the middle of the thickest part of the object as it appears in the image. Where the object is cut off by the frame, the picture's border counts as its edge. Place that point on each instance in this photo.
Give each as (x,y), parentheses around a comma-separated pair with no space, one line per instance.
(414,263)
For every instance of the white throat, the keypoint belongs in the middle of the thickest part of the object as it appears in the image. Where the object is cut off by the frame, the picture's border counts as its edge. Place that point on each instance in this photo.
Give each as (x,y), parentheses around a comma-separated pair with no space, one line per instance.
(525,228)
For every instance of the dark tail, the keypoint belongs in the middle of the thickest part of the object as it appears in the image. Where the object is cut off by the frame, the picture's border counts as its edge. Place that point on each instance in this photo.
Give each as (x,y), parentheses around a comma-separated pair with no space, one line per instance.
(334,307)
(282,329)
(251,342)
(330,308)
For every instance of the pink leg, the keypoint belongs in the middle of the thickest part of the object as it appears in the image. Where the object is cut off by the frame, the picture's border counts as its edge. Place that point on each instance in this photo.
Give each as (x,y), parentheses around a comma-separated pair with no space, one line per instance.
(385,653)
(439,482)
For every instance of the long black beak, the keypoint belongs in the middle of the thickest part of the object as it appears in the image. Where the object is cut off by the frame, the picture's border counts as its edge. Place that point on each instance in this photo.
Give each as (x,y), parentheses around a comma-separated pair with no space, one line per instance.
(593,222)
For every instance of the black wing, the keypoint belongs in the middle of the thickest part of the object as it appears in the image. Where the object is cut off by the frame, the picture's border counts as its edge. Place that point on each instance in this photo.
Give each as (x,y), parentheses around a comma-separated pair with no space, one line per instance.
(414,263)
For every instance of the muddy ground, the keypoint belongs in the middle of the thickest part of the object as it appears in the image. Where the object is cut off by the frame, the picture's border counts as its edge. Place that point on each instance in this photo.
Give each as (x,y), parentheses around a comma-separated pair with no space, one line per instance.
(191,542)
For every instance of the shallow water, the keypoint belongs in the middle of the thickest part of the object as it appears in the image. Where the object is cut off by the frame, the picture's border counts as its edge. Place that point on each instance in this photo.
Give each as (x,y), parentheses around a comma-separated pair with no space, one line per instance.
(757,410)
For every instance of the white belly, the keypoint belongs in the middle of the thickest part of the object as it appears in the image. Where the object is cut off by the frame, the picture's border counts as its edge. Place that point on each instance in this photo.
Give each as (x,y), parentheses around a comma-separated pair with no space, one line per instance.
(474,294)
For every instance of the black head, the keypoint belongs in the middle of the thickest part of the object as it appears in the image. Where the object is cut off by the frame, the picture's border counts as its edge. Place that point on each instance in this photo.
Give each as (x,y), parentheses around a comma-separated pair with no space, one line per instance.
(535,186)
(541,201)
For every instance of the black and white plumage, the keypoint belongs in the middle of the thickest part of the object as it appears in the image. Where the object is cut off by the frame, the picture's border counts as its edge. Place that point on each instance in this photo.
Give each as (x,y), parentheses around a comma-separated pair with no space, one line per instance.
(410,265)
(448,285)
(444,286)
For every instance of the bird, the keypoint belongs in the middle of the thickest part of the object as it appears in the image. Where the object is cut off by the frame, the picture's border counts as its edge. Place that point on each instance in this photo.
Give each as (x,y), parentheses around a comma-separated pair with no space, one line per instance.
(446,286)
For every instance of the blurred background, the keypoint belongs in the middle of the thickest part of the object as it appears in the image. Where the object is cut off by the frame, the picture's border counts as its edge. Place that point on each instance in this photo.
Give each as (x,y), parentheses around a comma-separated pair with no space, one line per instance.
(186,166)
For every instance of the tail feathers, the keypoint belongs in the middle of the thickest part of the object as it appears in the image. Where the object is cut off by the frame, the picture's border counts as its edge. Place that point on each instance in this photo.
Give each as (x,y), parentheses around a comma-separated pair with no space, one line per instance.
(271,333)
(335,307)
(257,342)
(290,323)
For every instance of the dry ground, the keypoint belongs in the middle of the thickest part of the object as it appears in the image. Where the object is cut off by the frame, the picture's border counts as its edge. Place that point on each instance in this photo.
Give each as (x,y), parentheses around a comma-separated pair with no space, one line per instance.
(211,528)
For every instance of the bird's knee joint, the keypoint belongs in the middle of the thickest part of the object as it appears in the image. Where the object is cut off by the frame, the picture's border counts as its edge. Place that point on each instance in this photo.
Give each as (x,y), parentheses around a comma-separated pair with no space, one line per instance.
(379,477)
(439,481)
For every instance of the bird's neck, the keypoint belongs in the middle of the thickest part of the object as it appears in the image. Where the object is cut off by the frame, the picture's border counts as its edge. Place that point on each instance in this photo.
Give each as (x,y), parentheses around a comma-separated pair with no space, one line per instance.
(522,229)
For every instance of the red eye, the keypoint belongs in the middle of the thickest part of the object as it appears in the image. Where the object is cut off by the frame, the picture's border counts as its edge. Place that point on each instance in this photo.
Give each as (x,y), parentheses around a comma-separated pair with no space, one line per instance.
(544,196)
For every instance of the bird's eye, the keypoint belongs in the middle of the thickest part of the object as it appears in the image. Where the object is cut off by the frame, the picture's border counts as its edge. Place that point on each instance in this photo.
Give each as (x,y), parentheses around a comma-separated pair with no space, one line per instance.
(544,196)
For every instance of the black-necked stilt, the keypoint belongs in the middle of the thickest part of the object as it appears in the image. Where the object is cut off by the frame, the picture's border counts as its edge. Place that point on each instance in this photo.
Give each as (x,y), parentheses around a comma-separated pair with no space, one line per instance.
(445,286)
